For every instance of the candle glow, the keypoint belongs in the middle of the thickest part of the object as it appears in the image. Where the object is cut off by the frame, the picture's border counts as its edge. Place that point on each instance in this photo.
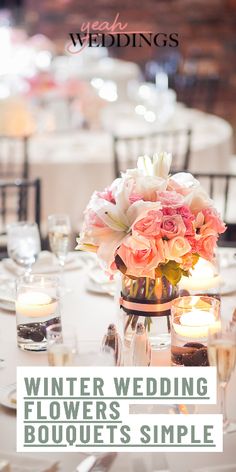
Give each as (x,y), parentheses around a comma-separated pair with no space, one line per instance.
(194,324)
(202,277)
(35,304)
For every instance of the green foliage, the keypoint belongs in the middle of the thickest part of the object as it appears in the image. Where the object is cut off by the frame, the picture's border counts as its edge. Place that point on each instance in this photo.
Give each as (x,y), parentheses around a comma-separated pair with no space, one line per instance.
(172,272)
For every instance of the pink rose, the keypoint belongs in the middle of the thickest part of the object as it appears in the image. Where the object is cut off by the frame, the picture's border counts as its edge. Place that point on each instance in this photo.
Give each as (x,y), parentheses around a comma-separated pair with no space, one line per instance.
(170,199)
(206,246)
(149,226)
(213,220)
(168,211)
(172,226)
(188,219)
(185,212)
(176,248)
(140,256)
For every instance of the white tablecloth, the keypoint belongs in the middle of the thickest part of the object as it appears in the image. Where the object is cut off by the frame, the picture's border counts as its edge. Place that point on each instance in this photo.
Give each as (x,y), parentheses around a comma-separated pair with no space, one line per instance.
(92,314)
(73,165)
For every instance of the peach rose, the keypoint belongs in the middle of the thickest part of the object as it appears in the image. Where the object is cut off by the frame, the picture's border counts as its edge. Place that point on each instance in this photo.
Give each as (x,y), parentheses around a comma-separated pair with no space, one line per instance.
(176,248)
(149,226)
(140,256)
(213,220)
(206,246)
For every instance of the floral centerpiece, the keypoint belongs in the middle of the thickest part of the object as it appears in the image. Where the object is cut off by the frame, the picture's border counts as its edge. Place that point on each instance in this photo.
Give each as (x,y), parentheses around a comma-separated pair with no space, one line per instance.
(152,227)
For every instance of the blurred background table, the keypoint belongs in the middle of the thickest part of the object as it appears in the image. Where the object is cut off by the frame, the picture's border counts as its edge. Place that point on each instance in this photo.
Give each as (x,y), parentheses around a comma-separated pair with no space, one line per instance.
(83,160)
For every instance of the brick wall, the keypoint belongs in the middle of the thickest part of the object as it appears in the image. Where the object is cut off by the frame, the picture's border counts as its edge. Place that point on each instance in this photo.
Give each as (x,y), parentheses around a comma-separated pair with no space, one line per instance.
(206,29)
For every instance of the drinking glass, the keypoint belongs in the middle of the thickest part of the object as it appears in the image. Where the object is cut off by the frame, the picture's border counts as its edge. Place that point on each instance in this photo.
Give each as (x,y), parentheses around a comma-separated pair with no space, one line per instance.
(192,316)
(222,354)
(59,229)
(61,345)
(37,306)
(23,244)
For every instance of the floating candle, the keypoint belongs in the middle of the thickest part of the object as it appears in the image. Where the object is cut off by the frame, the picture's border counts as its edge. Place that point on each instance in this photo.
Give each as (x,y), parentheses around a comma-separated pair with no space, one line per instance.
(35,304)
(203,277)
(194,324)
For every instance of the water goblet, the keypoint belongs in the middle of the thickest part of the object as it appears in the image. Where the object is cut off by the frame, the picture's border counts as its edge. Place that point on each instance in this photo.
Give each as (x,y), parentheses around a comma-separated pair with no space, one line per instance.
(23,244)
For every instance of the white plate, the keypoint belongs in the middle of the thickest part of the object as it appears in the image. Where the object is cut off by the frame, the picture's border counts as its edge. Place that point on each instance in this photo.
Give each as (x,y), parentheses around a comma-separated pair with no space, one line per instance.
(7,294)
(7,305)
(99,282)
(46,264)
(8,396)
(101,289)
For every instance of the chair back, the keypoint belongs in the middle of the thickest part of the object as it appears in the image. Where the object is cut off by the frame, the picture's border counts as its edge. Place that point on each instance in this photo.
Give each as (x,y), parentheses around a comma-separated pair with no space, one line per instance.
(14,162)
(19,201)
(126,149)
(222,189)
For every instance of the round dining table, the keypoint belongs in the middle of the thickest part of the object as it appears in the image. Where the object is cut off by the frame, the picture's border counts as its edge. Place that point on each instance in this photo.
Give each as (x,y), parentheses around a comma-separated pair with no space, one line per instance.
(72,165)
(90,314)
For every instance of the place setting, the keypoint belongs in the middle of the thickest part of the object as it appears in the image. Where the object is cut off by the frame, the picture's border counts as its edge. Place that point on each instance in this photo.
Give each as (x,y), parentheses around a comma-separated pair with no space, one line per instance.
(24,248)
(26,256)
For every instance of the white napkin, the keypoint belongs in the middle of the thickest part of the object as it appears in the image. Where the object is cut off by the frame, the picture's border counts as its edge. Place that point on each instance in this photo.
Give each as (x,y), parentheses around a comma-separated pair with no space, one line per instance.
(99,282)
(20,463)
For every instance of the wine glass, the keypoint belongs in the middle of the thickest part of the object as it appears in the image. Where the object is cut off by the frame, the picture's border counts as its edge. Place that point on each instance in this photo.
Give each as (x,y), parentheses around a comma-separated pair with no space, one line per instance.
(222,354)
(59,229)
(23,244)
(61,344)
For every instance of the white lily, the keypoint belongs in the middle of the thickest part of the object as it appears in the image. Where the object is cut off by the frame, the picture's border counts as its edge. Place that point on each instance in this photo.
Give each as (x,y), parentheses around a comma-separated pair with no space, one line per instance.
(133,181)
(117,226)
(144,164)
(195,195)
(158,166)
(161,164)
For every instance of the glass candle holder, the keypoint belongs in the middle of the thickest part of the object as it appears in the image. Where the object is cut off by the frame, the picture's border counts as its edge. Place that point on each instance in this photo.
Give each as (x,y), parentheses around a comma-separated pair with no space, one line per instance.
(191,319)
(37,306)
